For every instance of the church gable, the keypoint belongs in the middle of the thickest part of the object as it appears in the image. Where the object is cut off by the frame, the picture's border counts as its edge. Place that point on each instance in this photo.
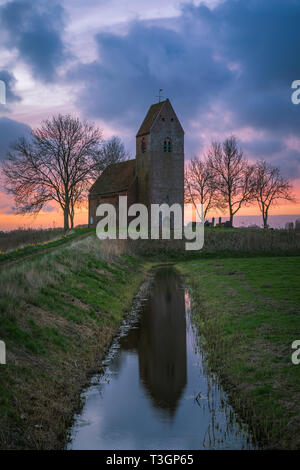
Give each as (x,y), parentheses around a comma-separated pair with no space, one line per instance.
(166,120)
(158,114)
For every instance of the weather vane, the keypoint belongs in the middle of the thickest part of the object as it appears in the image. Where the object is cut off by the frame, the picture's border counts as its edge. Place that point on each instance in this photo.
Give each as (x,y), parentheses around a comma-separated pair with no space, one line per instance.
(159,95)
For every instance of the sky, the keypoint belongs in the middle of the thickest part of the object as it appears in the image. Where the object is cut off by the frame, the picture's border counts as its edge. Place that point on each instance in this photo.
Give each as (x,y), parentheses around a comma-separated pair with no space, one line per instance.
(227,67)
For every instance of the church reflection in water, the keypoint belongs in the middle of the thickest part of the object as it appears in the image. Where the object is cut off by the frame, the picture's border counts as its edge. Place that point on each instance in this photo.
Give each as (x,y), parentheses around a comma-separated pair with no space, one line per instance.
(161,342)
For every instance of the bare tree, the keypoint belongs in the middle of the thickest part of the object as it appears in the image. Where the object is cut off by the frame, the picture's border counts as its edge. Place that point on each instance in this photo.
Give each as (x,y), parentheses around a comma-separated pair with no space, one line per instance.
(270,187)
(199,185)
(233,176)
(112,151)
(55,163)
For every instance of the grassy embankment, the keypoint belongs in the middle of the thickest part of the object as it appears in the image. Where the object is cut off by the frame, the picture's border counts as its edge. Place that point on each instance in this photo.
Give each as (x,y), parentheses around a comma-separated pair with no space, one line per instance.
(220,242)
(59,311)
(248,314)
(35,242)
(12,239)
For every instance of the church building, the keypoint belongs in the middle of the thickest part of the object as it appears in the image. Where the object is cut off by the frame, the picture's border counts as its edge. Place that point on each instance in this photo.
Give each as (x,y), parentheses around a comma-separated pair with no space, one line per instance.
(156,175)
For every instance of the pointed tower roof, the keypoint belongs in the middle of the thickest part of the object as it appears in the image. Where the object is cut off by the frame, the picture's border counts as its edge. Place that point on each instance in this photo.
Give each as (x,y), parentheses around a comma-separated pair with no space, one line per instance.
(151,115)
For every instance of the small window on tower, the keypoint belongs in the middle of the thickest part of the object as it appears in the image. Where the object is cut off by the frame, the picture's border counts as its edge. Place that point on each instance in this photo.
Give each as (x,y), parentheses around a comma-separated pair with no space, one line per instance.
(143,145)
(172,119)
(167,145)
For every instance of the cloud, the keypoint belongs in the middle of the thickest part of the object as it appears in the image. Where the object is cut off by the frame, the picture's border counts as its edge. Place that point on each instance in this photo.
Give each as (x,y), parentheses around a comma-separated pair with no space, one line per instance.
(48,208)
(238,58)
(263,148)
(9,211)
(288,162)
(3,205)
(35,29)
(276,151)
(262,40)
(131,69)
(10,131)
(9,81)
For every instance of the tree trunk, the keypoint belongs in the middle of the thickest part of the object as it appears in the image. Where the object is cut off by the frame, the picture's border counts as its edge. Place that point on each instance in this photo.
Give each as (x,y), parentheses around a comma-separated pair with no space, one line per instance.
(265,219)
(66,218)
(72,219)
(231,218)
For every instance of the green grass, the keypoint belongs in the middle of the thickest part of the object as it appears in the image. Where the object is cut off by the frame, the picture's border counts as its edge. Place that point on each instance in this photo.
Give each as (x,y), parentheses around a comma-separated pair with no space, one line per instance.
(59,312)
(247,311)
(13,239)
(60,309)
(42,247)
(223,243)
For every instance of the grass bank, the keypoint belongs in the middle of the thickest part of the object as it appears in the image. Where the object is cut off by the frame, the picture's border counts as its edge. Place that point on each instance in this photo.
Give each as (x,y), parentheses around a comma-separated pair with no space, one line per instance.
(42,247)
(14,239)
(226,243)
(59,312)
(247,312)
(39,247)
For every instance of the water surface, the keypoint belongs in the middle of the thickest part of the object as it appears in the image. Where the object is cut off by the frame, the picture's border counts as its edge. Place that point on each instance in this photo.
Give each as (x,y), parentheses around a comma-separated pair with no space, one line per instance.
(155,392)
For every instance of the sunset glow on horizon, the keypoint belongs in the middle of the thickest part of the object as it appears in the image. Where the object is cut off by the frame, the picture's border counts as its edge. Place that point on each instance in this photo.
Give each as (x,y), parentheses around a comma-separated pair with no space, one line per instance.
(227,68)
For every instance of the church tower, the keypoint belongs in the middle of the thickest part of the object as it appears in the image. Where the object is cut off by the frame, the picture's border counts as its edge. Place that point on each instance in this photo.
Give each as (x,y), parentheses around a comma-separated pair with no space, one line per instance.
(160,157)
(156,176)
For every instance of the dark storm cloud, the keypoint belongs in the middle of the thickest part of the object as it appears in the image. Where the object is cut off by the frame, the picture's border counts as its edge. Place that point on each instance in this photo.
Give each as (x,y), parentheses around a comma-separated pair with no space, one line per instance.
(288,162)
(263,148)
(34,29)
(276,152)
(10,131)
(262,38)
(238,59)
(244,54)
(132,68)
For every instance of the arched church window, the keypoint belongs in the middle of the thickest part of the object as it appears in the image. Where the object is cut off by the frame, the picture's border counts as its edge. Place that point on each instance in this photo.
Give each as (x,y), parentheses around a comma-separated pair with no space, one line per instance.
(143,145)
(165,146)
(169,146)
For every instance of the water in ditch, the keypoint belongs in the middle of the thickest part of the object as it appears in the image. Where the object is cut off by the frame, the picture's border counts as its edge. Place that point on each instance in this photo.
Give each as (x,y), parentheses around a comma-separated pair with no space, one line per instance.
(154,391)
